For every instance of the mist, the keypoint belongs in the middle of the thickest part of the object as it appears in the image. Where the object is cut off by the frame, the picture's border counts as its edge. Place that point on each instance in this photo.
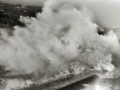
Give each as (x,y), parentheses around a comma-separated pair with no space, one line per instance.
(65,32)
(106,13)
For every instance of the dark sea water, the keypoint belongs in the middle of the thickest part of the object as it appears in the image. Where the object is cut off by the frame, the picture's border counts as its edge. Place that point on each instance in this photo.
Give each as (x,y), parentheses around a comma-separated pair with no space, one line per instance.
(95,83)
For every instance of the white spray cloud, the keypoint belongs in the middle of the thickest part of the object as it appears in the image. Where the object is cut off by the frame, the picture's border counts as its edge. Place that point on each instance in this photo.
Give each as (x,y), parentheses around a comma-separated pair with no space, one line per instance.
(62,33)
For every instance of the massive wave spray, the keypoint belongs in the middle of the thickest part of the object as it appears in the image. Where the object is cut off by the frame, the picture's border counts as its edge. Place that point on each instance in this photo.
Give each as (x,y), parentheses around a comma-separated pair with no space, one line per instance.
(65,32)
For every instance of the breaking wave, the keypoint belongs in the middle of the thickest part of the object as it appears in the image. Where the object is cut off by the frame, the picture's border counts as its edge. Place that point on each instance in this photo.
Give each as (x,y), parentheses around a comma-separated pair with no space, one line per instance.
(64,34)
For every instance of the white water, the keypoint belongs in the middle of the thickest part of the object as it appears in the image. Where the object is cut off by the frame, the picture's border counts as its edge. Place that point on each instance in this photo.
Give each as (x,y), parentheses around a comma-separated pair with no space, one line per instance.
(104,84)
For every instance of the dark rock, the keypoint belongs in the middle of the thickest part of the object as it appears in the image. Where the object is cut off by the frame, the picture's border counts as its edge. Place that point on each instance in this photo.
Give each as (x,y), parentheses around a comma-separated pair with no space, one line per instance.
(10,14)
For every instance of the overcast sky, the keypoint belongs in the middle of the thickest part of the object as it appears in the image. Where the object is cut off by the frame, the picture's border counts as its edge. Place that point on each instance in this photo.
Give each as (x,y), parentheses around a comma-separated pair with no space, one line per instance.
(25,2)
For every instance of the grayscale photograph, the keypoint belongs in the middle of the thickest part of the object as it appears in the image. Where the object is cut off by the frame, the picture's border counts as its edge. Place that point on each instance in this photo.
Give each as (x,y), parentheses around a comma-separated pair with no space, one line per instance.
(59,44)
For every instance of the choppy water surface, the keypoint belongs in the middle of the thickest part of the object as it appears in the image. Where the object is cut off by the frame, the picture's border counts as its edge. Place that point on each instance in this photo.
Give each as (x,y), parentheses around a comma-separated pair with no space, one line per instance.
(94,83)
